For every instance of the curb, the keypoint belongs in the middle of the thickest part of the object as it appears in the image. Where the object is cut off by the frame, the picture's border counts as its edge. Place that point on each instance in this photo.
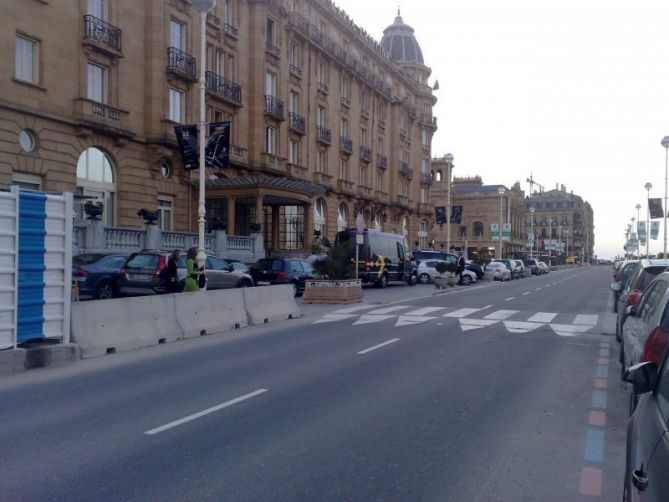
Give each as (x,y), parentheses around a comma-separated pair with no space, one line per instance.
(37,356)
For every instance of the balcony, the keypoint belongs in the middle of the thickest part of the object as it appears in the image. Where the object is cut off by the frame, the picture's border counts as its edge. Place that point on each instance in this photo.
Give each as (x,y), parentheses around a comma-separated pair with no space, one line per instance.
(295,70)
(181,64)
(323,135)
(223,88)
(322,88)
(428,120)
(323,179)
(405,170)
(411,110)
(273,163)
(403,201)
(364,113)
(101,115)
(213,21)
(238,155)
(299,23)
(425,147)
(365,192)
(297,171)
(296,123)
(102,36)
(346,145)
(382,196)
(345,186)
(345,102)
(272,49)
(426,179)
(381,161)
(366,153)
(230,30)
(274,107)
(425,208)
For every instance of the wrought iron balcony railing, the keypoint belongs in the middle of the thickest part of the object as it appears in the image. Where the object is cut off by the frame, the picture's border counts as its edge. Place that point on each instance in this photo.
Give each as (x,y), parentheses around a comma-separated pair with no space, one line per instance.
(230,30)
(426,179)
(382,161)
(295,70)
(346,145)
(224,88)
(274,107)
(324,135)
(406,170)
(366,153)
(297,123)
(102,33)
(272,49)
(181,63)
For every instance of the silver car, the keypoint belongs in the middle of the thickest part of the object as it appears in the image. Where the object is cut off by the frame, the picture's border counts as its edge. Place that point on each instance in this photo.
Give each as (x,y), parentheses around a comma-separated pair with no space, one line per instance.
(499,271)
(427,271)
(219,273)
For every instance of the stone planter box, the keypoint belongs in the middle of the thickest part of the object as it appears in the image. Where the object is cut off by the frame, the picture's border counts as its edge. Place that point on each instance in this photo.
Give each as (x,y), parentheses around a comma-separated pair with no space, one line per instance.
(445,282)
(333,291)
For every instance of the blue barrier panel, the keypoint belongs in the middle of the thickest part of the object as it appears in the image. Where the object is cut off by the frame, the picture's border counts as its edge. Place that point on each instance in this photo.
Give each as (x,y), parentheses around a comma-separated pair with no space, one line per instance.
(32,231)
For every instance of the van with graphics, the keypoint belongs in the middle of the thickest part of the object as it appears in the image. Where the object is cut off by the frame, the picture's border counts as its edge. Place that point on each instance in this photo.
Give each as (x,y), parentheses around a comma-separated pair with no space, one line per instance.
(382,257)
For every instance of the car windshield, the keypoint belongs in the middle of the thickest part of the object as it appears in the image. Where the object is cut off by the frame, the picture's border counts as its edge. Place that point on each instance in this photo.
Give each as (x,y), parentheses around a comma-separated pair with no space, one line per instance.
(269,264)
(143,261)
(86,259)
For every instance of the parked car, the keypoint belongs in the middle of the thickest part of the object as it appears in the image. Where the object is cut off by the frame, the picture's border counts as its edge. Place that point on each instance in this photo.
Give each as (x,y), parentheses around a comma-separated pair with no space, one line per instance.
(524,272)
(239,266)
(295,271)
(644,272)
(647,458)
(620,278)
(142,273)
(431,254)
(513,267)
(476,268)
(645,333)
(98,274)
(427,271)
(499,271)
(533,265)
(543,268)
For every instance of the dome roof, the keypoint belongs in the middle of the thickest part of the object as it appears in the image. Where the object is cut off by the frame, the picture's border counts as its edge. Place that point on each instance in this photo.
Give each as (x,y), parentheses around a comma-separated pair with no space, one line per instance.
(400,43)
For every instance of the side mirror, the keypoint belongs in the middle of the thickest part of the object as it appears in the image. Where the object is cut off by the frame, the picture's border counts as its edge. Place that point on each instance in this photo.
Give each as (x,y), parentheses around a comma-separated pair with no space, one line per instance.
(231,268)
(630,310)
(642,376)
(616,287)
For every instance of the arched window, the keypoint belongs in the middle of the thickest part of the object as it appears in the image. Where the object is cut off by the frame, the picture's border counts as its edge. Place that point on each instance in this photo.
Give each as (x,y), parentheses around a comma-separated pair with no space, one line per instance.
(438,175)
(342,217)
(405,227)
(376,221)
(320,216)
(477,229)
(95,180)
(422,234)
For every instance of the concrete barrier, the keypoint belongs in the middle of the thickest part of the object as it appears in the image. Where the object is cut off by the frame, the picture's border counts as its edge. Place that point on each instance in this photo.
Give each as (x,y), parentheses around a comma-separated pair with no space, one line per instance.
(122,324)
(270,303)
(210,312)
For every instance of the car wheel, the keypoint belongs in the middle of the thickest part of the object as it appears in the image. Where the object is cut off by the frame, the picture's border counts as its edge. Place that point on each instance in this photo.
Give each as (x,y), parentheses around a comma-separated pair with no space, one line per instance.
(244,284)
(104,290)
(466,280)
(382,282)
(424,279)
(412,280)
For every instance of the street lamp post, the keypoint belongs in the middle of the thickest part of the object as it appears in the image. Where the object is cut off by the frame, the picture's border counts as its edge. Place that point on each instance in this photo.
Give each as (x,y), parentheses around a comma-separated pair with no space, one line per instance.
(665,144)
(203,7)
(501,192)
(638,244)
(449,162)
(532,209)
(648,187)
(633,227)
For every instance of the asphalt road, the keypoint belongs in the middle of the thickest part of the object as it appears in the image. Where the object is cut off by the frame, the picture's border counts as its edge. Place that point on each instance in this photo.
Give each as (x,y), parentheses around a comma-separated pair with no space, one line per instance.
(504,392)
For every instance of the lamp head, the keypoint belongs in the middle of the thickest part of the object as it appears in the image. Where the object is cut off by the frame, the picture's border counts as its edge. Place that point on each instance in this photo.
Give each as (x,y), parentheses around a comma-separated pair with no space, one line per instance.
(638,206)
(532,209)
(648,186)
(501,190)
(665,142)
(203,5)
(448,158)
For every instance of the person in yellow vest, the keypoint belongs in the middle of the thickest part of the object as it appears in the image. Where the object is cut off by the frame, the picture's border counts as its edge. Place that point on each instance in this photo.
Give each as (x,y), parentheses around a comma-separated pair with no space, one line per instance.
(192,272)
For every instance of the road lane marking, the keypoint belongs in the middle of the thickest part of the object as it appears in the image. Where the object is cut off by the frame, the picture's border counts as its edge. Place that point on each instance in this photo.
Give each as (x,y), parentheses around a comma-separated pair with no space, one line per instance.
(486,307)
(597,418)
(460,313)
(542,317)
(569,329)
(349,310)
(469,324)
(591,482)
(521,326)
(586,319)
(423,311)
(509,298)
(599,399)
(202,413)
(602,371)
(369,318)
(362,352)
(538,289)
(500,315)
(526,293)
(407,320)
(388,310)
(334,317)
(594,446)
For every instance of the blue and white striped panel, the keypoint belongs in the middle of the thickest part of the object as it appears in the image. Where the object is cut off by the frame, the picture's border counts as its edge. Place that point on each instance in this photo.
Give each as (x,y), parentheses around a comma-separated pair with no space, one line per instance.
(9,208)
(32,232)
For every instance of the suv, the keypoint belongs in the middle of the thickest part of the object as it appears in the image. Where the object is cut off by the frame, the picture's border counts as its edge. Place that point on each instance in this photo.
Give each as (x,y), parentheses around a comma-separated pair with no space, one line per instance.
(295,271)
(142,273)
(533,265)
(644,272)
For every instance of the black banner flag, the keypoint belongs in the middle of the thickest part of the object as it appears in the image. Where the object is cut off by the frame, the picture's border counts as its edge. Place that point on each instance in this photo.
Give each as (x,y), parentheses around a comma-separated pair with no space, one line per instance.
(217,151)
(440,214)
(456,214)
(187,140)
(655,208)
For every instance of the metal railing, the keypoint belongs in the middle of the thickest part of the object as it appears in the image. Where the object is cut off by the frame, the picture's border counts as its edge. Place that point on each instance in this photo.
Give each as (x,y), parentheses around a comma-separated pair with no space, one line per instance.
(181,63)
(324,135)
(296,123)
(406,170)
(274,107)
(382,161)
(366,153)
(346,145)
(103,33)
(223,87)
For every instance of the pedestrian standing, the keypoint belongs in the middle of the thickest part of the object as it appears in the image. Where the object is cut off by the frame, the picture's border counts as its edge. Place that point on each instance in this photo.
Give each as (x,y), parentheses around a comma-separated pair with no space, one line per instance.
(461,267)
(192,272)
(171,279)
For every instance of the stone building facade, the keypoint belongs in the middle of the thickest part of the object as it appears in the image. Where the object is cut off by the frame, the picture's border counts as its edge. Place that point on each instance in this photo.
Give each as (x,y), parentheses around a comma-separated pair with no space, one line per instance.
(325,121)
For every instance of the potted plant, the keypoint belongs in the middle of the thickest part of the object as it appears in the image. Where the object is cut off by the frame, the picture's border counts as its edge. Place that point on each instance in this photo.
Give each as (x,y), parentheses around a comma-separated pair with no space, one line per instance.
(446,275)
(337,283)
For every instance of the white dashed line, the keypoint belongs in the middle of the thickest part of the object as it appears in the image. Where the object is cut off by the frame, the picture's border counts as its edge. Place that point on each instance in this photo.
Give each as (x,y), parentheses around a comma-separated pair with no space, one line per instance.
(509,298)
(526,293)
(362,352)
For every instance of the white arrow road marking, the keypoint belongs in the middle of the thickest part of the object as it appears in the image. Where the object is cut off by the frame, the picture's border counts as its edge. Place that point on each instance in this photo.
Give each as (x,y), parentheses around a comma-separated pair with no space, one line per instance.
(586,319)
(469,324)
(405,320)
(348,310)
(368,319)
(521,326)
(542,317)
(388,310)
(423,311)
(569,329)
(334,317)
(460,313)
(362,352)
(500,315)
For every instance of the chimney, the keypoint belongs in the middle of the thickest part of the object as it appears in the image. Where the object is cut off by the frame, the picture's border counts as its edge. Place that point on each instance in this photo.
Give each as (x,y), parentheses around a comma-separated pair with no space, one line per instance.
(563,188)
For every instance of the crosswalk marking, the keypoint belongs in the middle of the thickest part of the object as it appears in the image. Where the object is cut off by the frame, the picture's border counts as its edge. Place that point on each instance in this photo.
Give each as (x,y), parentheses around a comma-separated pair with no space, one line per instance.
(406,320)
(585,319)
(334,317)
(542,317)
(568,329)
(500,315)
(368,319)
(521,326)
(423,311)
(460,313)
(348,310)
(469,324)
(388,310)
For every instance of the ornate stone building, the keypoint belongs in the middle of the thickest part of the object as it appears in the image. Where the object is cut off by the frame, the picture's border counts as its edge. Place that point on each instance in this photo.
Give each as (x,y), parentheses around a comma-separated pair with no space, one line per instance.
(325,121)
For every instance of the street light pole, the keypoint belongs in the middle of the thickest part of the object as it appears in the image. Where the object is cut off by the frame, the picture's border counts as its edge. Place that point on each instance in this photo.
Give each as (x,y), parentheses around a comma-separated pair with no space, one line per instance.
(532,209)
(648,186)
(203,7)
(665,144)
(449,163)
(633,228)
(499,232)
(638,244)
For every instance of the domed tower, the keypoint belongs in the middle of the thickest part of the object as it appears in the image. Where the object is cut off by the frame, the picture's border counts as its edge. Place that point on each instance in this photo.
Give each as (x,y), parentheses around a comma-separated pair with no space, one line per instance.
(401,45)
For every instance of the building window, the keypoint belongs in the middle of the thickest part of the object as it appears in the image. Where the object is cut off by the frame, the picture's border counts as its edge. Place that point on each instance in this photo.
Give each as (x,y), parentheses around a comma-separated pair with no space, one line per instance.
(270,140)
(165,213)
(164,169)
(344,128)
(270,84)
(27,140)
(343,169)
(295,55)
(321,161)
(271,32)
(342,217)
(176,34)
(96,83)
(217,213)
(227,12)
(95,8)
(293,152)
(463,232)
(176,107)
(477,229)
(320,216)
(363,176)
(27,181)
(95,180)
(291,232)
(422,234)
(294,101)
(321,118)
(25,67)
(345,91)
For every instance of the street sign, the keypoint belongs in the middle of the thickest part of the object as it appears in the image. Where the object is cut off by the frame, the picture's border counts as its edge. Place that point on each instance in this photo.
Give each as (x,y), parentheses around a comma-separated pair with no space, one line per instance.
(506,231)
(494,231)
(359,239)
(360,224)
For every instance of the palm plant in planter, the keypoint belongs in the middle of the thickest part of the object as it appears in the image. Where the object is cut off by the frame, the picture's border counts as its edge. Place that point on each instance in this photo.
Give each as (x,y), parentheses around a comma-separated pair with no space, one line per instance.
(446,275)
(338,283)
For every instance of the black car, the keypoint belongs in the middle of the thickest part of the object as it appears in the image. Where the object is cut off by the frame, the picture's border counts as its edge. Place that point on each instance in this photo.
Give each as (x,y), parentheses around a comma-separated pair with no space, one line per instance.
(269,271)
(98,274)
(648,434)
(476,268)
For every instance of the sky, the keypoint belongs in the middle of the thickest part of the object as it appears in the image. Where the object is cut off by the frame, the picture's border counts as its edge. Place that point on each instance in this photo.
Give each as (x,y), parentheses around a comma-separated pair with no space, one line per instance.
(572,92)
